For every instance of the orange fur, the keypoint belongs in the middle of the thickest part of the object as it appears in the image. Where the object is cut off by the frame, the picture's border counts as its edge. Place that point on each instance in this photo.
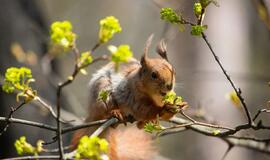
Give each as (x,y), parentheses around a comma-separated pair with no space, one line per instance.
(131,144)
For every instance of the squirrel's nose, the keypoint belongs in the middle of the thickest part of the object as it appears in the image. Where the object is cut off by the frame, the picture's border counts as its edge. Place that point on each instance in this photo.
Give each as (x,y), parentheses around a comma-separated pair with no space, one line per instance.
(169,86)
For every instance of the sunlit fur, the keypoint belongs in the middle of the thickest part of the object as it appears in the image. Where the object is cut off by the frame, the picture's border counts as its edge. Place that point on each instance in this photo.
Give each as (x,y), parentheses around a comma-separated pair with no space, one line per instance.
(137,145)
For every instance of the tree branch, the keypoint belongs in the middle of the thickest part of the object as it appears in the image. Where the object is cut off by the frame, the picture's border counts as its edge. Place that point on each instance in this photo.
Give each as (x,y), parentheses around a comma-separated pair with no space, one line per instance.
(259,112)
(260,145)
(84,125)
(49,107)
(29,123)
(237,91)
(204,124)
(12,110)
(34,157)
(105,125)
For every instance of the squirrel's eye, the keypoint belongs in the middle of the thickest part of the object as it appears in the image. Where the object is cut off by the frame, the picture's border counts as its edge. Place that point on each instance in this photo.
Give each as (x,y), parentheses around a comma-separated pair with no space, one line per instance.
(154,75)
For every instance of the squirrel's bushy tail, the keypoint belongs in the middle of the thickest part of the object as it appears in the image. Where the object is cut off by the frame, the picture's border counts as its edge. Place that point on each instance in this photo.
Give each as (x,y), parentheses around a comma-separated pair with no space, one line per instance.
(128,143)
(131,143)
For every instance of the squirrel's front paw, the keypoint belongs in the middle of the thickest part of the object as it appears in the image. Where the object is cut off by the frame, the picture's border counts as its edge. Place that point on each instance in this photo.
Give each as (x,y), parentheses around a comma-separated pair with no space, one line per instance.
(167,114)
(170,110)
(140,124)
(183,105)
(117,114)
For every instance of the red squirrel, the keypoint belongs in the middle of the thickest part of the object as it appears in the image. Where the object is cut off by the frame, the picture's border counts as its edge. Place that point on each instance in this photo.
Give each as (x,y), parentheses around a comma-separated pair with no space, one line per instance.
(136,90)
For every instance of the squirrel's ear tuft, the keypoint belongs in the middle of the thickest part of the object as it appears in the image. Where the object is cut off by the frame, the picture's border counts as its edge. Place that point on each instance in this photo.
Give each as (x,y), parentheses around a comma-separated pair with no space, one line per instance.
(143,60)
(146,48)
(162,49)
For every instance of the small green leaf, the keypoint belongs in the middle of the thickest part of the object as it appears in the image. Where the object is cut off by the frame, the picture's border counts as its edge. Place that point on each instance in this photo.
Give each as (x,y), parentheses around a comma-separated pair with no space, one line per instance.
(172,99)
(86,58)
(62,35)
(23,147)
(103,95)
(216,132)
(197,30)
(103,145)
(197,9)
(108,27)
(19,79)
(120,54)
(8,87)
(91,148)
(168,14)
(152,127)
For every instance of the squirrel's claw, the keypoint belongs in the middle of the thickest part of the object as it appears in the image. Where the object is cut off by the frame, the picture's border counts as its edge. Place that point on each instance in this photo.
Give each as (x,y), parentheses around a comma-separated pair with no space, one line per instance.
(117,114)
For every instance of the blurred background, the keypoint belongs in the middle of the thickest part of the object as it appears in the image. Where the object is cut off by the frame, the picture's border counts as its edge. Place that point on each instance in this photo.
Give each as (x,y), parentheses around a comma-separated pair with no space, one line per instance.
(235,31)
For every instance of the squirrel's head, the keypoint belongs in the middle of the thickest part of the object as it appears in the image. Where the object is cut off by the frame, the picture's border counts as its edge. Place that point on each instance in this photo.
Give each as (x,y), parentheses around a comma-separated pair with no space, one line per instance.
(157,74)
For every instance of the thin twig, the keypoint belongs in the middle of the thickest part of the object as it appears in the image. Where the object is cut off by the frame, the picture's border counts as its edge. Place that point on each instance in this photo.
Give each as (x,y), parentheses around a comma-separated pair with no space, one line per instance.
(169,132)
(251,138)
(54,139)
(101,58)
(29,123)
(59,129)
(57,150)
(230,146)
(237,91)
(203,129)
(52,128)
(104,126)
(205,124)
(12,110)
(260,145)
(84,125)
(179,126)
(95,47)
(76,53)
(259,112)
(173,129)
(201,18)
(34,157)
(49,107)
